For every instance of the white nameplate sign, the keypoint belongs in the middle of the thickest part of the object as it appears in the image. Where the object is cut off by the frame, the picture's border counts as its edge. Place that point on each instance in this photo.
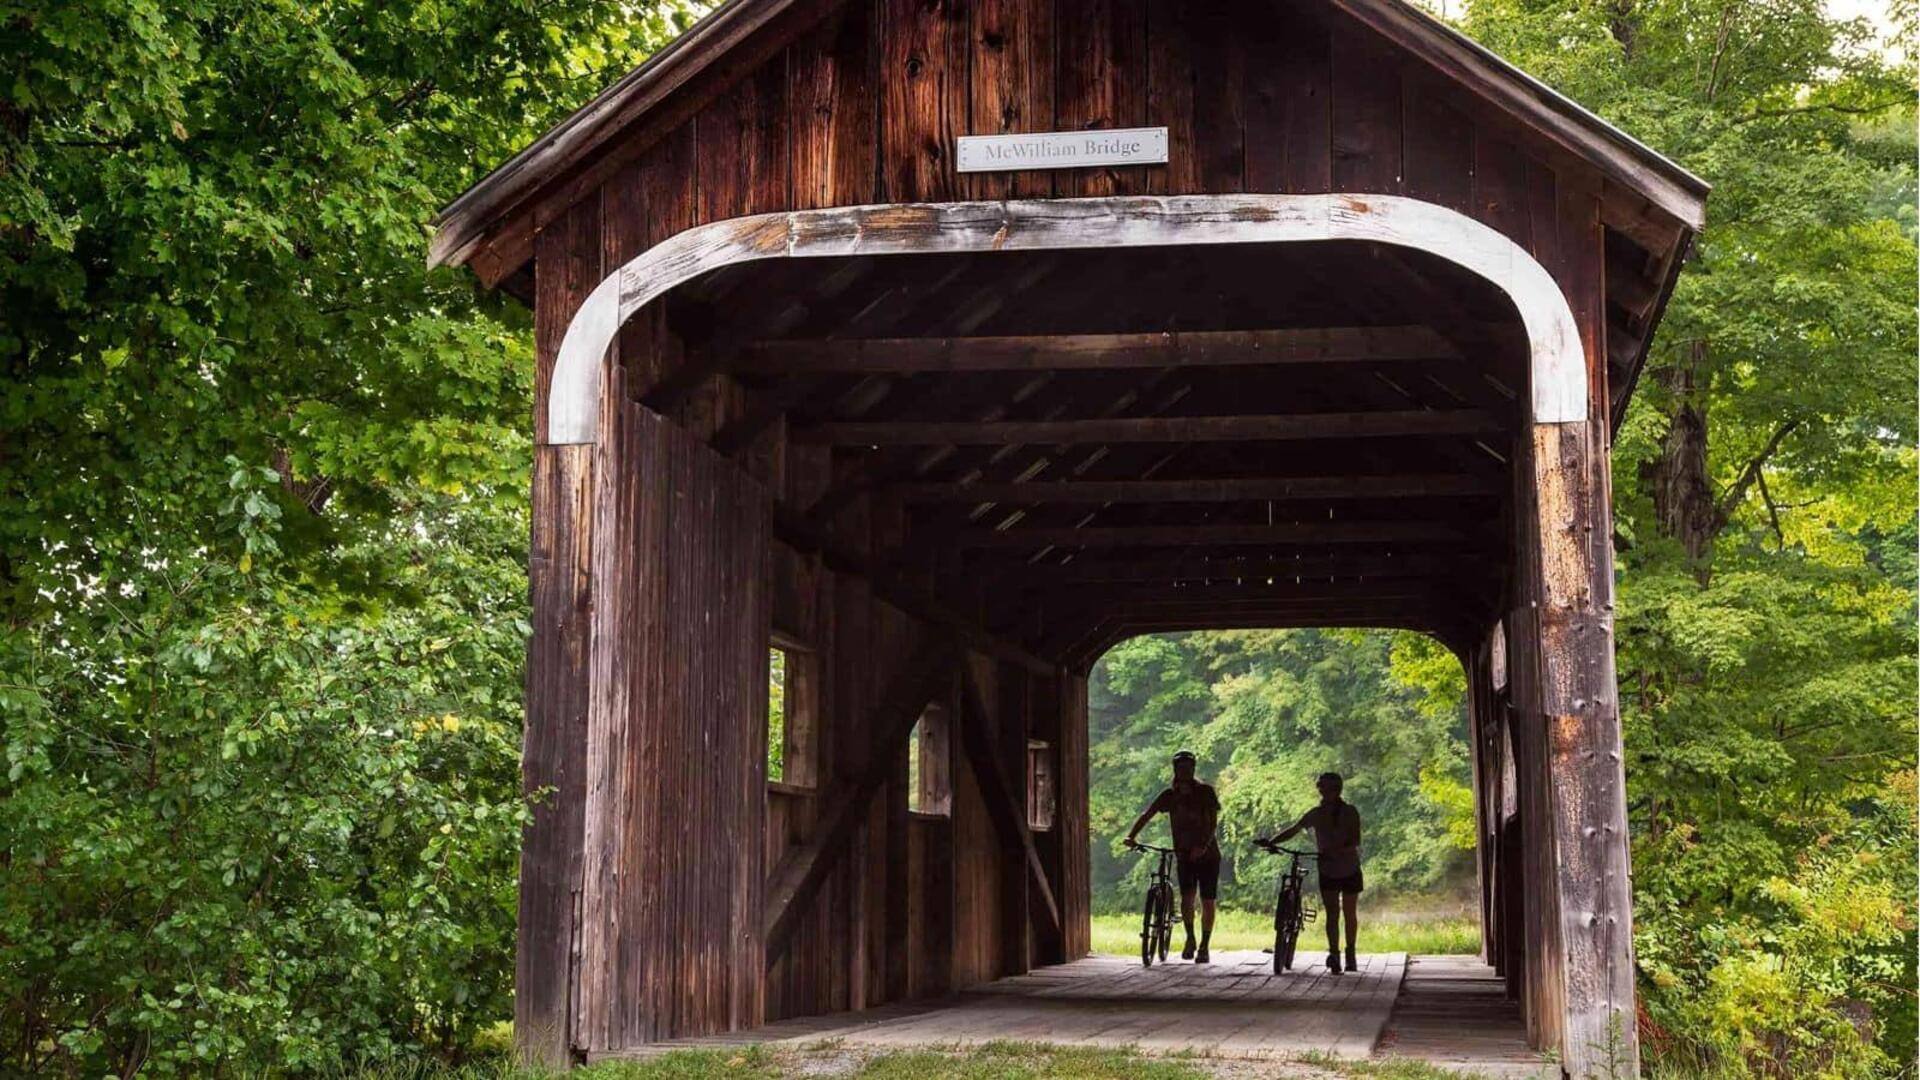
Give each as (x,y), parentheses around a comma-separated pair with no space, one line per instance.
(1062,149)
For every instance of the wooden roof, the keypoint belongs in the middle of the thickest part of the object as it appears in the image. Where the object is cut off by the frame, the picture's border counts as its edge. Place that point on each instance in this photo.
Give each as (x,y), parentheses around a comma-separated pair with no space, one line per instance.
(742,33)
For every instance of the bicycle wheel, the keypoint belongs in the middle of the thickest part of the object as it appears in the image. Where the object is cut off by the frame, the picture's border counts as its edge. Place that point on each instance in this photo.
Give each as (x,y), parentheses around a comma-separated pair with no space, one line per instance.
(1147,928)
(1286,931)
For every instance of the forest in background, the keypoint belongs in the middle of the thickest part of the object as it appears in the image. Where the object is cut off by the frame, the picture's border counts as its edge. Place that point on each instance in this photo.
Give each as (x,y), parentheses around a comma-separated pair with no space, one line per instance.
(263,535)
(1266,712)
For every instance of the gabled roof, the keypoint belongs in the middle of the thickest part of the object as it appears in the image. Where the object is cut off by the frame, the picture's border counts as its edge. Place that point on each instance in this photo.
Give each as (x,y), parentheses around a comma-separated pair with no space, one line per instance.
(765,25)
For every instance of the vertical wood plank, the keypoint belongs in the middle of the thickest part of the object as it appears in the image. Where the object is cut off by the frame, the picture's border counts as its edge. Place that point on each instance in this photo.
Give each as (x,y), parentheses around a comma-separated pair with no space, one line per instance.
(1011,87)
(832,108)
(1288,110)
(924,98)
(1219,79)
(1366,112)
(1500,187)
(606,737)
(742,159)
(553,752)
(1100,83)
(1007,741)
(1075,821)
(1438,145)
(650,470)
(1170,80)
(850,667)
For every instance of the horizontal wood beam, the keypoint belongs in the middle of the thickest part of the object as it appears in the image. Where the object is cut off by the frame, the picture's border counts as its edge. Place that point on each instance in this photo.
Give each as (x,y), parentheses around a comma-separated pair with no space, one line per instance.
(1317,532)
(1248,593)
(1277,488)
(1146,396)
(800,874)
(1462,565)
(1289,610)
(1206,348)
(1155,429)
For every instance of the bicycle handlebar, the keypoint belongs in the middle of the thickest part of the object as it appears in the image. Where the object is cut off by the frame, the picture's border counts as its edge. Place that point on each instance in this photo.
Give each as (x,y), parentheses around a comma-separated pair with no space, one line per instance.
(1278,850)
(1138,846)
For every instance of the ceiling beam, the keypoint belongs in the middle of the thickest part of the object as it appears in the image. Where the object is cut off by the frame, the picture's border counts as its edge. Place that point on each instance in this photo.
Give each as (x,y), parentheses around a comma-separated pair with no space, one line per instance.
(1316,532)
(1154,429)
(1106,352)
(1278,488)
(1248,592)
(1084,571)
(869,475)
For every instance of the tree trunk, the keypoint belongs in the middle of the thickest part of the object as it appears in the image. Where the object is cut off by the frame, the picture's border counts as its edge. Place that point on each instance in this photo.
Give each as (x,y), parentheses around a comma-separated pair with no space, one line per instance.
(1683,503)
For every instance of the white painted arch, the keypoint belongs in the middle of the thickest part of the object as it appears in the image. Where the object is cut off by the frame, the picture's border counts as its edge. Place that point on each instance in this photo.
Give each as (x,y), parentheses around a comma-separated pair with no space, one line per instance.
(1557,357)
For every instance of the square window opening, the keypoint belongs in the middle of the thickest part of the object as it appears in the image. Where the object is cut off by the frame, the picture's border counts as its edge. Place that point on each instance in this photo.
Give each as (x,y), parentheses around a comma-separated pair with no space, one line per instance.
(792,713)
(1042,799)
(929,763)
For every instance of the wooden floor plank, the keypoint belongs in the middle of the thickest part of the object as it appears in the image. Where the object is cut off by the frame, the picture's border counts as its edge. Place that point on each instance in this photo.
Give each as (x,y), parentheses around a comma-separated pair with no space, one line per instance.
(1442,1009)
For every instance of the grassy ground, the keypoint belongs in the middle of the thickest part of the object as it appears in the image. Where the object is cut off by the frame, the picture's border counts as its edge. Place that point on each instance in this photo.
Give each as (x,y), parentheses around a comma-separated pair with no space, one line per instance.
(994,1061)
(1444,931)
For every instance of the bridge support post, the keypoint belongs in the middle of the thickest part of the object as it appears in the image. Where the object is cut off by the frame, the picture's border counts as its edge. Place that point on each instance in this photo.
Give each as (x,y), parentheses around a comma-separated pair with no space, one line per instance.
(1585,786)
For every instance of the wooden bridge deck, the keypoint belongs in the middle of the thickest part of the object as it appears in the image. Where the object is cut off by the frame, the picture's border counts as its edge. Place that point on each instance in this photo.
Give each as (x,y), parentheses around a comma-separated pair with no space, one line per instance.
(1454,1011)
(1449,1010)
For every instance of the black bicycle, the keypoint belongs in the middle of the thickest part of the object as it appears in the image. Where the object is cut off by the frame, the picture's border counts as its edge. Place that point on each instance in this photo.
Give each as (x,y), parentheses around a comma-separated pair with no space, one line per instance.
(1291,909)
(1156,914)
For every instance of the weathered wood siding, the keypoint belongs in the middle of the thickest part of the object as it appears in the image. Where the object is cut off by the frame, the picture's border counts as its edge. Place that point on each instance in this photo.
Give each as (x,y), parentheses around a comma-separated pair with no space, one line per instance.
(671,901)
(1283,98)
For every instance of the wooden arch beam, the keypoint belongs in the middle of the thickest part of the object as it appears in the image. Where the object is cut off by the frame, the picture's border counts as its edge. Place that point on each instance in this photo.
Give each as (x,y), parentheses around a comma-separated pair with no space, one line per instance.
(1556,353)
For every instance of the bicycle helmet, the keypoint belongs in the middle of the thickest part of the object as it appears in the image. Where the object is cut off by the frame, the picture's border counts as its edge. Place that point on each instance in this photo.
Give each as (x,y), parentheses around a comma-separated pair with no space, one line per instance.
(1186,756)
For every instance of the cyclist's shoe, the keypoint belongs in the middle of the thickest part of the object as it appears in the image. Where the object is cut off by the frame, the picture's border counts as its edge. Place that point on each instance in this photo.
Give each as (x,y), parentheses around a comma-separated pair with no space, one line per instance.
(1353,962)
(1201,957)
(1187,953)
(1333,963)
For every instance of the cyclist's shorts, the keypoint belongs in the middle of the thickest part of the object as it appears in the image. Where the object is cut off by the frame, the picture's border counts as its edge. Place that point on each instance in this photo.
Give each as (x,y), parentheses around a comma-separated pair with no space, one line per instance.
(1354,882)
(1204,872)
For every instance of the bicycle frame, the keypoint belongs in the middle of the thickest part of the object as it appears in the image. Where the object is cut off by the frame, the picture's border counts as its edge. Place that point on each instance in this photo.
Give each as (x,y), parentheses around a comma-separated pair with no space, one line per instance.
(1156,928)
(1297,874)
(1292,906)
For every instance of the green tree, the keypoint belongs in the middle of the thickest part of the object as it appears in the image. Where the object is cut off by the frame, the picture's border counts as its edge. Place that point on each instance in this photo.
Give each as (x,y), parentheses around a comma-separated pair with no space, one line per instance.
(262,593)
(1765,512)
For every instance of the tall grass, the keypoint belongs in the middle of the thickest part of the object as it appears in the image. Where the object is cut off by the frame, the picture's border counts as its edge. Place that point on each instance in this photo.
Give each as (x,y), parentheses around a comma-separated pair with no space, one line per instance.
(1431,932)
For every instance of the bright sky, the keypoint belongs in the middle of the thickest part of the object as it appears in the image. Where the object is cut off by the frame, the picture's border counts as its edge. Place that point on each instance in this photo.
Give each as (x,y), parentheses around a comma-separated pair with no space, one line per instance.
(1874,11)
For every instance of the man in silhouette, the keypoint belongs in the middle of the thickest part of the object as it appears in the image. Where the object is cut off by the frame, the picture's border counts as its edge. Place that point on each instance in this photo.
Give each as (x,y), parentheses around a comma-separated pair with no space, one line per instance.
(1193,812)
(1336,833)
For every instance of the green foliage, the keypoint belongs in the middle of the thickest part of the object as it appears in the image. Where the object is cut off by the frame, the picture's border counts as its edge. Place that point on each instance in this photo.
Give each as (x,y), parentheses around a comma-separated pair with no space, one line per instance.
(1766,617)
(243,826)
(262,551)
(776,714)
(1267,712)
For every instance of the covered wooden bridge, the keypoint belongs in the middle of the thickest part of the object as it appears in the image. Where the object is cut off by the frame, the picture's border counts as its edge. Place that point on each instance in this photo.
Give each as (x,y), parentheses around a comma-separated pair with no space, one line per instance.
(1313,314)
